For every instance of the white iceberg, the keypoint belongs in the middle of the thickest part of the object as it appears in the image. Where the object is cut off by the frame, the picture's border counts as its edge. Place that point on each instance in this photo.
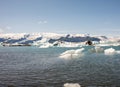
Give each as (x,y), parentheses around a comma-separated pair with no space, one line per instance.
(97,49)
(71,54)
(46,45)
(71,85)
(111,51)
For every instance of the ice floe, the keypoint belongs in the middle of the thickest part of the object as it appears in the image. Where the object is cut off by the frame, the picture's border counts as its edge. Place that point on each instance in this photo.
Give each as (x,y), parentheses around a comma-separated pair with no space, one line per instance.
(111,51)
(71,85)
(70,54)
(97,49)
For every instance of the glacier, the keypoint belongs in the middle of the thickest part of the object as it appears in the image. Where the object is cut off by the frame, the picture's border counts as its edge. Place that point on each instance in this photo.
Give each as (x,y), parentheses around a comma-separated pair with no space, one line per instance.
(45,40)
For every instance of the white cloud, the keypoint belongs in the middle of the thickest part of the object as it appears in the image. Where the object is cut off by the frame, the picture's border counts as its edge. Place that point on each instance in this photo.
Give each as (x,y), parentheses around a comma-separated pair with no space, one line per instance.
(42,22)
(8,28)
(5,29)
(1,30)
(45,22)
(39,22)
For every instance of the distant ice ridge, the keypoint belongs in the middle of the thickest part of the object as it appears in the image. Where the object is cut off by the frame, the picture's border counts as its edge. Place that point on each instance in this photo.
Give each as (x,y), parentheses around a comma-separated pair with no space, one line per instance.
(71,85)
(71,54)
(57,40)
(57,44)
(109,44)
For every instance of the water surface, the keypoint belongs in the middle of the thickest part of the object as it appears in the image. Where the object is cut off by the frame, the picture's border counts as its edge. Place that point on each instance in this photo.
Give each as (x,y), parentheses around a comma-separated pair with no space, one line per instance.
(39,67)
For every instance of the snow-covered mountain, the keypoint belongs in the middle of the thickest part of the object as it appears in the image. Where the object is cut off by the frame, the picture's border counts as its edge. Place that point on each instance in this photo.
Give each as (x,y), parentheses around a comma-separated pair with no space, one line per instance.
(51,38)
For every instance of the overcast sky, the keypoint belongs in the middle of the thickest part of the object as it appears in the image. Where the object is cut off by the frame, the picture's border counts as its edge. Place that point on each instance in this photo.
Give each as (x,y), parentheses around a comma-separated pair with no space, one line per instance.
(60,16)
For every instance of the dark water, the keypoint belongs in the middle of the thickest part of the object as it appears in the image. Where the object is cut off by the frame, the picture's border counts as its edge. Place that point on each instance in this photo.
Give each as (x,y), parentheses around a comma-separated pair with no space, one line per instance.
(38,67)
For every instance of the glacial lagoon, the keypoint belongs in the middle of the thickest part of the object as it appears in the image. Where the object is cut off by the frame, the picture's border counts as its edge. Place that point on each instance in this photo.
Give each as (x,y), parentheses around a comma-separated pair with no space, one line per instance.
(43,67)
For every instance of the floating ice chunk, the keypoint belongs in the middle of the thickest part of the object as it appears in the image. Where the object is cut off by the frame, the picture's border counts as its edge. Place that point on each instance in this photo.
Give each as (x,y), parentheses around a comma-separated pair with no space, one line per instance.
(118,52)
(46,45)
(66,56)
(109,51)
(71,85)
(97,49)
(70,54)
(79,50)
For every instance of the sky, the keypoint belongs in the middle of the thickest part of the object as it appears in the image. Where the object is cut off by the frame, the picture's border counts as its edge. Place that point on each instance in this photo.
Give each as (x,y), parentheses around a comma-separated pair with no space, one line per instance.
(98,17)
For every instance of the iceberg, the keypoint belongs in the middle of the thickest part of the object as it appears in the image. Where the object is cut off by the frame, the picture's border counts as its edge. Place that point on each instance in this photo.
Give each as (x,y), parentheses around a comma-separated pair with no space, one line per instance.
(45,45)
(111,51)
(97,49)
(71,54)
(71,85)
